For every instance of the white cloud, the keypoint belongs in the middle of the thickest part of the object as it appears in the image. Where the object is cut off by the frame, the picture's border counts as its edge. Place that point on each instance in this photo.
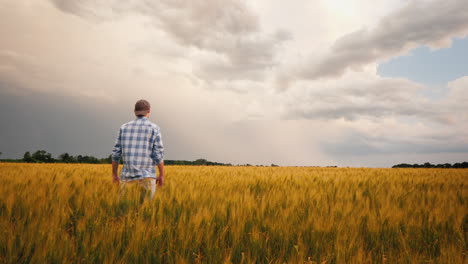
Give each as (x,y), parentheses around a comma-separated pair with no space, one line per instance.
(356,96)
(229,30)
(431,23)
(458,94)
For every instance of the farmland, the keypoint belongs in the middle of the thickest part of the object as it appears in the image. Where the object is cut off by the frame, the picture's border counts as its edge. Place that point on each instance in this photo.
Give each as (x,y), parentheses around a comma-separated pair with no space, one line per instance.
(72,213)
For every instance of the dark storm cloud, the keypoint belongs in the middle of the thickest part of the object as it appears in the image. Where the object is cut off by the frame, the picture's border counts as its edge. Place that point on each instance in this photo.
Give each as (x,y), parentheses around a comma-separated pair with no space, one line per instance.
(228,31)
(88,126)
(430,23)
(55,123)
(77,125)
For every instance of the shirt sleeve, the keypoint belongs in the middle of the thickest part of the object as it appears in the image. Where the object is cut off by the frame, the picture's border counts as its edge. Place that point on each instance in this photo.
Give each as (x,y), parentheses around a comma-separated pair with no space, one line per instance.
(158,149)
(117,150)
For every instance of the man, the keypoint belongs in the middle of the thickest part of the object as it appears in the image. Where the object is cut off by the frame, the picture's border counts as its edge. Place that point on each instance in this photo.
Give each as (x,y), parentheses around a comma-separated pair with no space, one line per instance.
(139,144)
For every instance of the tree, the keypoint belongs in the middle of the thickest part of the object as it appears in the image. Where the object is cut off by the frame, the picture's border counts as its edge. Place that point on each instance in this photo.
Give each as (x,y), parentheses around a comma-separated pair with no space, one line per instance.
(200,162)
(90,159)
(87,159)
(427,165)
(67,158)
(107,160)
(42,156)
(27,157)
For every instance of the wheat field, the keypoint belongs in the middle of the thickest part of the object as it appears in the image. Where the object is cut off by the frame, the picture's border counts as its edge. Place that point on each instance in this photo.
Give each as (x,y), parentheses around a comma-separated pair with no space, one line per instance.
(69,213)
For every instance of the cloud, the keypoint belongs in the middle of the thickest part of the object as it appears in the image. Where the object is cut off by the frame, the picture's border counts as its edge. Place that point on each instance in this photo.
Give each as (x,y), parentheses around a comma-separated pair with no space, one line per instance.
(431,23)
(241,58)
(360,96)
(88,126)
(12,64)
(458,95)
(210,69)
(227,32)
(412,125)
(96,10)
(365,96)
(395,140)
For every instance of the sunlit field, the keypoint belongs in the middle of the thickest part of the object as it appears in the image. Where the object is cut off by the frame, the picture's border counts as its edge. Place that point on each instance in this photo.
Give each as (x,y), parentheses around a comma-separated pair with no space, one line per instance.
(59,213)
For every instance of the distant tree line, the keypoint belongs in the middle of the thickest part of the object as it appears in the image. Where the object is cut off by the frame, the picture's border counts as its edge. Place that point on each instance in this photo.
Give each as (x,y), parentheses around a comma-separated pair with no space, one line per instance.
(42,156)
(198,162)
(462,165)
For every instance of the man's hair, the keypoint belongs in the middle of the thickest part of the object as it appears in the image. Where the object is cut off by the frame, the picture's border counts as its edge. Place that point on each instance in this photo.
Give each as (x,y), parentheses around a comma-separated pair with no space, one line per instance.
(142,107)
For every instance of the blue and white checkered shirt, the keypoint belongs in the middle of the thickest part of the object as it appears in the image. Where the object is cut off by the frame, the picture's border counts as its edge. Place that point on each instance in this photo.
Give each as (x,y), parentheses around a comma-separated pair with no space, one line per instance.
(140,145)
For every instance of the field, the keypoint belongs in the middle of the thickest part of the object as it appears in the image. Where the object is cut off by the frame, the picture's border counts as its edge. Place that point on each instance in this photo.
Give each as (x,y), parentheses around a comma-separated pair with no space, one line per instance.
(60,213)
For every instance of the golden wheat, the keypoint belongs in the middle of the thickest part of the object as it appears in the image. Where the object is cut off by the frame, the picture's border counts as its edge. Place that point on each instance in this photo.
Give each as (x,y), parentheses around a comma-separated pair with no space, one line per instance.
(64,213)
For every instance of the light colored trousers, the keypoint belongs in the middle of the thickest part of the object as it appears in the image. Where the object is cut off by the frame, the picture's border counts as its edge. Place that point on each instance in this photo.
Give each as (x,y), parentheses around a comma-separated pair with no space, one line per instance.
(148,184)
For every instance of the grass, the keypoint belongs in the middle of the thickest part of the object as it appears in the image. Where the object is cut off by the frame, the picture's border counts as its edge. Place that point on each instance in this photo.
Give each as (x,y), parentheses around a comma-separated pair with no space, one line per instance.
(71,213)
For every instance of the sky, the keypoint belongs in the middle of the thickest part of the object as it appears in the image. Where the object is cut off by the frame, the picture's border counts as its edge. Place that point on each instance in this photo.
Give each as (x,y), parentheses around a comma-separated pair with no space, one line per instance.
(361,83)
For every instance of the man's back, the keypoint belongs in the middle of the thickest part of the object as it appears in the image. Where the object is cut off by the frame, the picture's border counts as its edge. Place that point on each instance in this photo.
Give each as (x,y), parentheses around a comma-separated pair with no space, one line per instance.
(139,144)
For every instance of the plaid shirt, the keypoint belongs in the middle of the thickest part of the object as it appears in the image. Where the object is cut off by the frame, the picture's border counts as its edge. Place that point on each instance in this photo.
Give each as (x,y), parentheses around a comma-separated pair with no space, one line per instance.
(140,145)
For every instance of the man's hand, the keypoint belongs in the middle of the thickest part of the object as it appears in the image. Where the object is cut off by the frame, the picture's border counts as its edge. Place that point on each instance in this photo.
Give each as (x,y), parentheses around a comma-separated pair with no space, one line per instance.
(115,179)
(160,180)
(115,168)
